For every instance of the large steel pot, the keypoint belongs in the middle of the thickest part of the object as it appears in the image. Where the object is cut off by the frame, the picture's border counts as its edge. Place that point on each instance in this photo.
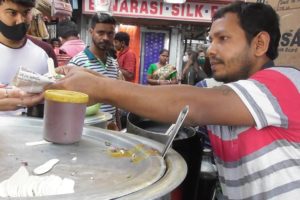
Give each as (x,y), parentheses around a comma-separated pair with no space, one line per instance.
(155,130)
(186,143)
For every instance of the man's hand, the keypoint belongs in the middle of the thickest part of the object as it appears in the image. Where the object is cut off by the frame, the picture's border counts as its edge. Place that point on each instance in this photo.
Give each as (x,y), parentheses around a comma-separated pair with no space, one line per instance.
(14,98)
(78,79)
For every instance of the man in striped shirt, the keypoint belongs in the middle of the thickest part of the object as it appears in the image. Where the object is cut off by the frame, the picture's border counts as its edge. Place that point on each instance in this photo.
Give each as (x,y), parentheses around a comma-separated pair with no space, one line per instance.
(96,57)
(253,119)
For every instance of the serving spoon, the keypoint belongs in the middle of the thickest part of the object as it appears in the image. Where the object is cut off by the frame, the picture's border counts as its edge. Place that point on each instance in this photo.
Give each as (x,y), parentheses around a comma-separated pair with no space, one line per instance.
(174,128)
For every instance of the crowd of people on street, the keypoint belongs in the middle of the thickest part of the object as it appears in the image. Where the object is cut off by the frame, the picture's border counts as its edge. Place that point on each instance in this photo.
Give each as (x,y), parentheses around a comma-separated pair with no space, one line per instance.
(252,121)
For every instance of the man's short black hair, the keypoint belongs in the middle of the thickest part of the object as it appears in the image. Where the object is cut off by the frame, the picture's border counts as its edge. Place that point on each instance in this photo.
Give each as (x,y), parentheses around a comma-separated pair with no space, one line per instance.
(66,29)
(27,3)
(102,18)
(54,40)
(123,37)
(254,18)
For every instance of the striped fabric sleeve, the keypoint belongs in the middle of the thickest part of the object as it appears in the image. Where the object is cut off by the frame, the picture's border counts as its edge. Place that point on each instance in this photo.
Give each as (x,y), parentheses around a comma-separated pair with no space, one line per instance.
(261,103)
(78,60)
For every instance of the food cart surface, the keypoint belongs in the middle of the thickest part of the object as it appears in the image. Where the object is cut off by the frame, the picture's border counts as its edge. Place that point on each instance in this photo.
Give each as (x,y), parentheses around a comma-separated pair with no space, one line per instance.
(104,164)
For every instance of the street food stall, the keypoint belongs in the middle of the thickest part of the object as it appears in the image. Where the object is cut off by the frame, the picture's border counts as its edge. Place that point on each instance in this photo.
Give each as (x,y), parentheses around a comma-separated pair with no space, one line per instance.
(102,165)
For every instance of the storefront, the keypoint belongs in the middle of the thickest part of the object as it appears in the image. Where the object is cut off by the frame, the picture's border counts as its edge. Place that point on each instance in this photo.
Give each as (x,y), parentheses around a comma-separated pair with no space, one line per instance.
(154,25)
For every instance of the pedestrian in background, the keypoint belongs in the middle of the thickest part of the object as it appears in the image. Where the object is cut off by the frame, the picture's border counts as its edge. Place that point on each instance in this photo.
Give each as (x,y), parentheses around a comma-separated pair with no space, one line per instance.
(67,32)
(126,57)
(16,49)
(192,71)
(97,58)
(162,73)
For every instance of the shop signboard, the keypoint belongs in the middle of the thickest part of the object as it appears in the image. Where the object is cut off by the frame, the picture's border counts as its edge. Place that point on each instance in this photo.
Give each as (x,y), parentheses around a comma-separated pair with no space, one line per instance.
(92,6)
(88,7)
(289,45)
(154,9)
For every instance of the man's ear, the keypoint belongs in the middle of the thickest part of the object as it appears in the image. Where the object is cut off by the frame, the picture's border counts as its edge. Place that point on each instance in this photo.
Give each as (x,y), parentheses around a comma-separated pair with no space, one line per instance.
(90,30)
(262,42)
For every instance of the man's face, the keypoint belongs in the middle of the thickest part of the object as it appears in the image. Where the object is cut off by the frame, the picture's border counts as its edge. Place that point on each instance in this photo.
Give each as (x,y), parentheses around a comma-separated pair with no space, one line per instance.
(118,45)
(55,44)
(103,35)
(13,14)
(230,55)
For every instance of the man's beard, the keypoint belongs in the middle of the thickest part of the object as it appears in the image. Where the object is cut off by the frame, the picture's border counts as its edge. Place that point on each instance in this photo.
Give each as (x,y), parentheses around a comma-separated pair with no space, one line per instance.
(103,45)
(243,72)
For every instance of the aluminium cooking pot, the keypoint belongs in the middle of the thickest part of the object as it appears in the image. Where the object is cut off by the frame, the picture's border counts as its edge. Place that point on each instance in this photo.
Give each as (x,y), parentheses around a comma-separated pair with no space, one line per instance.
(187,143)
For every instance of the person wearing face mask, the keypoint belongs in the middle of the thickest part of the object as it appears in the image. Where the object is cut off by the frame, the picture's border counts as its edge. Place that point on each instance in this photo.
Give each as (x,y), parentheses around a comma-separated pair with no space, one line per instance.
(201,57)
(97,58)
(185,57)
(201,74)
(15,48)
(192,71)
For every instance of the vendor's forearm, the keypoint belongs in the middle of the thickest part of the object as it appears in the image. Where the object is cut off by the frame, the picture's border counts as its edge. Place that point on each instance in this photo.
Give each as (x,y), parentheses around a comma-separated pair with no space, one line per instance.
(134,101)
(165,102)
(162,107)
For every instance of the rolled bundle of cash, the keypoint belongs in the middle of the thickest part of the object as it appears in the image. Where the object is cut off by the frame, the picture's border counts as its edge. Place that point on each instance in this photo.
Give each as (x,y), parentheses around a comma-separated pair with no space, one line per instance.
(30,81)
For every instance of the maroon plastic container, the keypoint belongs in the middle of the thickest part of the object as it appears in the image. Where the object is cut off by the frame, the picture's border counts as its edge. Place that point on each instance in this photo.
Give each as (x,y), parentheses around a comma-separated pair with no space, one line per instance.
(64,115)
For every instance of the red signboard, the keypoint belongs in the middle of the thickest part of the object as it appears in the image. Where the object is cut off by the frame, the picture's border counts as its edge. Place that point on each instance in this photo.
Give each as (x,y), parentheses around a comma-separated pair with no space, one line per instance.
(157,9)
(88,7)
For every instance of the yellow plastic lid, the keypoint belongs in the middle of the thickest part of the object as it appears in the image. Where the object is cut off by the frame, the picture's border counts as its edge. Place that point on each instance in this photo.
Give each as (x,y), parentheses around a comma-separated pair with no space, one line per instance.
(66,96)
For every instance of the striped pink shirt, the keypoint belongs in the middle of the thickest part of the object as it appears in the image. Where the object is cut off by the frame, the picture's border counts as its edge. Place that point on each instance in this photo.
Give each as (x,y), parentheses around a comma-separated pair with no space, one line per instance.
(262,162)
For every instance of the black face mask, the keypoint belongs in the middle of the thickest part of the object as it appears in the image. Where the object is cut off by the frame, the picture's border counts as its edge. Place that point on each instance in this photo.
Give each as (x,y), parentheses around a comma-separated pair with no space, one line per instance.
(16,32)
